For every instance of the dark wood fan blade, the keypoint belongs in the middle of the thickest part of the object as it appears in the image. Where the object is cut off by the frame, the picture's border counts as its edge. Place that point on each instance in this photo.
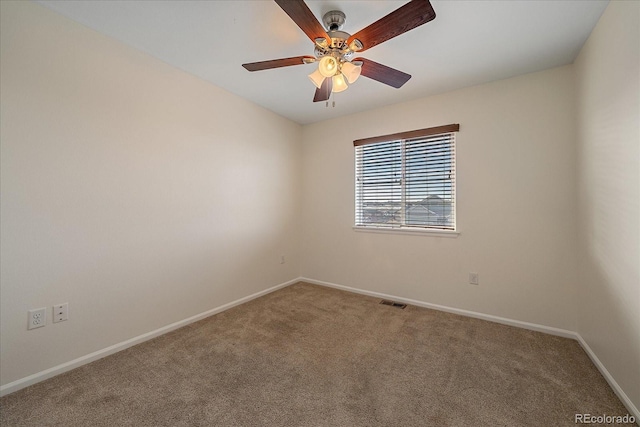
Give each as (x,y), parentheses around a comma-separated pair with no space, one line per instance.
(406,18)
(324,92)
(276,63)
(300,13)
(382,73)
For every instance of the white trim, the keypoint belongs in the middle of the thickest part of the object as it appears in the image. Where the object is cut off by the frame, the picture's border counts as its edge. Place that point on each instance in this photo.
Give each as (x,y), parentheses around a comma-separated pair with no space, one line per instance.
(496,319)
(408,230)
(517,323)
(64,367)
(612,382)
(56,370)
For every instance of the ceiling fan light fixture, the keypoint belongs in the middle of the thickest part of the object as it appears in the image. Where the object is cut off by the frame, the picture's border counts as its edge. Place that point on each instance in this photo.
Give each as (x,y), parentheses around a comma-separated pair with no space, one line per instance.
(317,78)
(334,49)
(351,71)
(328,66)
(339,83)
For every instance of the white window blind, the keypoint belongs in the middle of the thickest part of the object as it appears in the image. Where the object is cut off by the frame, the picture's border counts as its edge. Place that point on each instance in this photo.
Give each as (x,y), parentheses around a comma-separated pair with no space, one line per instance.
(407,180)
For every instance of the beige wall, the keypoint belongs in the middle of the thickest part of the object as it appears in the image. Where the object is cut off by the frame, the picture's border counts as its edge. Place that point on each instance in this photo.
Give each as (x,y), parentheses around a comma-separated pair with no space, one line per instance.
(608,88)
(117,196)
(516,203)
(135,192)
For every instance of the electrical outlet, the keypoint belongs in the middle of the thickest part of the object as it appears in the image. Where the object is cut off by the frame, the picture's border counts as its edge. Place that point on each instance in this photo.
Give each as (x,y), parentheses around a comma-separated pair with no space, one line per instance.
(474,279)
(60,312)
(281,259)
(37,318)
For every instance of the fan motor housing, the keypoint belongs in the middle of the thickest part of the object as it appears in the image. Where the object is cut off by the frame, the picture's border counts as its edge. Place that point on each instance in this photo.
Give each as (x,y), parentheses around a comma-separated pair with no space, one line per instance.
(338,46)
(338,39)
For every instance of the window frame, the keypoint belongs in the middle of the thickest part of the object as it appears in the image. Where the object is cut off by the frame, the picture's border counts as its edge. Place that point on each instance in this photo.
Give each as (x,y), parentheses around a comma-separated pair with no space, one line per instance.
(403,227)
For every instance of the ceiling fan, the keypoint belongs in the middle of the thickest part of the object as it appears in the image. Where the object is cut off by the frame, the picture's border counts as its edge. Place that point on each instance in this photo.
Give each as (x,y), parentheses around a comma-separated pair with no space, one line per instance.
(335,50)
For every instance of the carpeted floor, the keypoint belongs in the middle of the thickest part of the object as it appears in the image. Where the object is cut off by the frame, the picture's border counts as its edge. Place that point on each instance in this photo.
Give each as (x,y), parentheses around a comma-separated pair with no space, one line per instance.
(313,356)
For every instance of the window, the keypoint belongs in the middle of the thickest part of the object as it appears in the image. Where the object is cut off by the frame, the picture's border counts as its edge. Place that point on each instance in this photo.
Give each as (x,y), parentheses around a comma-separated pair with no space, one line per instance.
(407,180)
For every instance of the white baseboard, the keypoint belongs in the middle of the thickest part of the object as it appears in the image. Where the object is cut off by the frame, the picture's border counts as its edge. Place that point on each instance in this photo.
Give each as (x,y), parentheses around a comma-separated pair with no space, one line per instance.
(57,370)
(525,325)
(633,410)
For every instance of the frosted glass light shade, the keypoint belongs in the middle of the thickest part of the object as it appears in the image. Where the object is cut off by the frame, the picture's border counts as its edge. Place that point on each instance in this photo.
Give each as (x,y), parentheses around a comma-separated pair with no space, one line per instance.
(339,83)
(328,66)
(316,78)
(351,72)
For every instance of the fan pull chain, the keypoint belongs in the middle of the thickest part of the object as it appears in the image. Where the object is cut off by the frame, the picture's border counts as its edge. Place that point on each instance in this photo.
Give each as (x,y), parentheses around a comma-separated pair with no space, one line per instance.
(333,102)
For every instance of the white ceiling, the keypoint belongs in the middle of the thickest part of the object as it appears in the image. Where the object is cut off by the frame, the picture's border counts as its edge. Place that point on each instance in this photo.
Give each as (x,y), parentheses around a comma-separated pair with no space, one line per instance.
(469,43)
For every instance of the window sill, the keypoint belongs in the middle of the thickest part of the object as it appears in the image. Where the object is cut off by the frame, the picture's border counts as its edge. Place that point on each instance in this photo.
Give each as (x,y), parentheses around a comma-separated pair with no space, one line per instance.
(407,230)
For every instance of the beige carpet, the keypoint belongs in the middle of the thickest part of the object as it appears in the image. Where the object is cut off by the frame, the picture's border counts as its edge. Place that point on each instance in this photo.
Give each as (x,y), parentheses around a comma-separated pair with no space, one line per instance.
(312,356)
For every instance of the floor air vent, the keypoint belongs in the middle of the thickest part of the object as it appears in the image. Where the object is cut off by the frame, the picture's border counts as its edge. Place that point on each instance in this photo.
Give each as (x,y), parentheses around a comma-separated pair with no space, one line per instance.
(393,303)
